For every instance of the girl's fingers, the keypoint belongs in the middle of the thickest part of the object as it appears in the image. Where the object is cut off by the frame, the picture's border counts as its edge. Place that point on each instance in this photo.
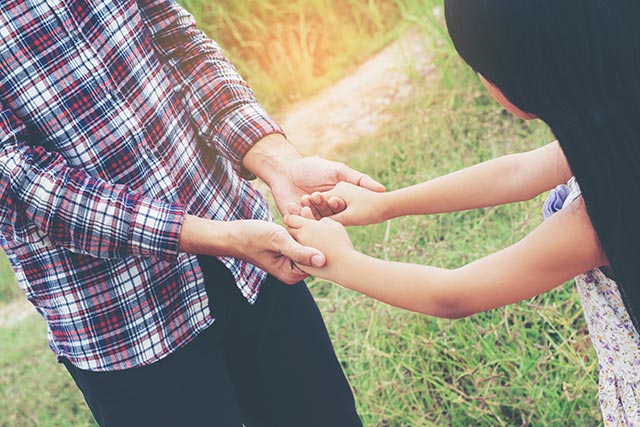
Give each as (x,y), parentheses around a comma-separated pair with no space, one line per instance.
(297,221)
(307,213)
(336,204)
(357,178)
(305,200)
(293,221)
(295,268)
(326,204)
(320,204)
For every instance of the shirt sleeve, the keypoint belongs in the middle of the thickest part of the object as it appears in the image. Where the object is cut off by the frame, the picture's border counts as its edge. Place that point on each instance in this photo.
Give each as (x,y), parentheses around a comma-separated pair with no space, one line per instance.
(44,201)
(222,106)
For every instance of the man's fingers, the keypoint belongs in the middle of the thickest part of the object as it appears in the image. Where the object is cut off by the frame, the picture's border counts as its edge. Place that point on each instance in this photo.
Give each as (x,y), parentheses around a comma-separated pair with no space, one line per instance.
(371,184)
(303,255)
(295,274)
(299,254)
(360,179)
(293,209)
(292,276)
(296,269)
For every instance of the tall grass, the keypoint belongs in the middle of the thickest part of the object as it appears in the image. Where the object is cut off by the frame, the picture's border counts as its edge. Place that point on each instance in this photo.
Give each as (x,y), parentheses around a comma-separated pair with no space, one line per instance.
(288,49)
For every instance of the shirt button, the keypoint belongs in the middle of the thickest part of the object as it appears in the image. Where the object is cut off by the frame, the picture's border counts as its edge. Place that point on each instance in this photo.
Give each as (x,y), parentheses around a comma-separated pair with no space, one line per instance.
(110,96)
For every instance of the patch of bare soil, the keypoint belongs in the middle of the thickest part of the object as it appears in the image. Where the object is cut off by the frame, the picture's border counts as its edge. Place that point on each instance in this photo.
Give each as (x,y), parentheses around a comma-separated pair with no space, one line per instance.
(357,106)
(15,312)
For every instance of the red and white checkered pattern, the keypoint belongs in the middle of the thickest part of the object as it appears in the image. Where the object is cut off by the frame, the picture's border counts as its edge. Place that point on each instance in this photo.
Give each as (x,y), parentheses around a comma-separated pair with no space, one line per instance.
(116,118)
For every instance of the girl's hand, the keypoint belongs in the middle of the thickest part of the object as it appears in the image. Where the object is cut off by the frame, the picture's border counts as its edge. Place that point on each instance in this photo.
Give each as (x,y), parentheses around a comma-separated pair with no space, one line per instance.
(348,204)
(326,235)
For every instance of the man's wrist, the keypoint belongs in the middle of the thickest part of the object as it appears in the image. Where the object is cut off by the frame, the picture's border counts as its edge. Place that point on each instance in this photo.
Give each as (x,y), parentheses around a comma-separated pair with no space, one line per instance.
(207,237)
(268,158)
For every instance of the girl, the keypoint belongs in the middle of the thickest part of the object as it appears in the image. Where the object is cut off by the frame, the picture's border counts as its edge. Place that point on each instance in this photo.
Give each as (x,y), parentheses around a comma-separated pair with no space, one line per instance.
(575,64)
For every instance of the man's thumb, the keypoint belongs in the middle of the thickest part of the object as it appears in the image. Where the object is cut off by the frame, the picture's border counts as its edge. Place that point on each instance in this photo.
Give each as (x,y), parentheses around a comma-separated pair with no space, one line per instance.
(304,255)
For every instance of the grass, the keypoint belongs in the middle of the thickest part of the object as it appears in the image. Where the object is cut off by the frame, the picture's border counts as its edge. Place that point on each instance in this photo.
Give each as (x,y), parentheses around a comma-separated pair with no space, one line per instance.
(289,49)
(529,364)
(34,389)
(9,289)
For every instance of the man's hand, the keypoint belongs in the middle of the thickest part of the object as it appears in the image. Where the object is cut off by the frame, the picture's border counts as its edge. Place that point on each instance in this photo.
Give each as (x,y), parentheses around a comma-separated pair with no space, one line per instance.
(263,244)
(311,174)
(271,248)
(290,176)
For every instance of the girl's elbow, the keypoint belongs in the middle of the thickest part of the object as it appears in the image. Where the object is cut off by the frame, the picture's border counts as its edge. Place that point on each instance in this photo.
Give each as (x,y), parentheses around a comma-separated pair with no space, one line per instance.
(458,313)
(450,307)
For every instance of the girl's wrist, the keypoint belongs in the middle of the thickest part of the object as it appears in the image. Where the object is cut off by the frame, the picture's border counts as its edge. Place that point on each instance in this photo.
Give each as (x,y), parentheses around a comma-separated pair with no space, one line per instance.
(350,267)
(390,206)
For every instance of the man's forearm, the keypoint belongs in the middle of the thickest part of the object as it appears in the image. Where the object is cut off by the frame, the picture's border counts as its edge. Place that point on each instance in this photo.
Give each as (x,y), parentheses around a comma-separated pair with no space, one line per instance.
(216,238)
(203,236)
(222,106)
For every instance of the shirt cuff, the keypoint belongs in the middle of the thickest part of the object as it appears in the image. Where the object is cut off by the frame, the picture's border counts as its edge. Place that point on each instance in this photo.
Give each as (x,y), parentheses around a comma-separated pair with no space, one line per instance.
(241,129)
(155,228)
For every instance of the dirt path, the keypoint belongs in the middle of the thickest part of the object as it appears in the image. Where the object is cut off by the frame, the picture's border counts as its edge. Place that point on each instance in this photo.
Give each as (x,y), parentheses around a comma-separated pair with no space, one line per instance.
(355,107)
(15,312)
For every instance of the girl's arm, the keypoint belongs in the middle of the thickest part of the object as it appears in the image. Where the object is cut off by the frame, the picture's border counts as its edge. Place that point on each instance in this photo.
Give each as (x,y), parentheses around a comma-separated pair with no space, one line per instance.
(562,247)
(511,178)
(506,179)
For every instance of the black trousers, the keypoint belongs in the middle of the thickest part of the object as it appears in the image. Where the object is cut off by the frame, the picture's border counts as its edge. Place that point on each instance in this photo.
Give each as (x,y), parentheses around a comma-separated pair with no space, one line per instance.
(267,365)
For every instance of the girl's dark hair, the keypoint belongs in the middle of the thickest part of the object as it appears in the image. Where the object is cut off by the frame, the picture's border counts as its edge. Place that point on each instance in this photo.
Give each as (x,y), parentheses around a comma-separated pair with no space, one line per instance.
(576,65)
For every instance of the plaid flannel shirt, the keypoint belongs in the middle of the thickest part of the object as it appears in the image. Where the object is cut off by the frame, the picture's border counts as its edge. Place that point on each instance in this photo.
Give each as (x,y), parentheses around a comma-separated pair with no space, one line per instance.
(117,117)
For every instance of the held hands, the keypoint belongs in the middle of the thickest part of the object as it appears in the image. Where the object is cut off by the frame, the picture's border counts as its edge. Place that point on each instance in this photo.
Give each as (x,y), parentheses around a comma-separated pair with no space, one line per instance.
(308,175)
(298,178)
(346,203)
(263,244)
(269,247)
(328,236)
(291,176)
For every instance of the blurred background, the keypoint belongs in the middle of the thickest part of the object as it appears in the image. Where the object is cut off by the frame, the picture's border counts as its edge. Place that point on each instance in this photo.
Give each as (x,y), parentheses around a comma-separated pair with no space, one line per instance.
(529,364)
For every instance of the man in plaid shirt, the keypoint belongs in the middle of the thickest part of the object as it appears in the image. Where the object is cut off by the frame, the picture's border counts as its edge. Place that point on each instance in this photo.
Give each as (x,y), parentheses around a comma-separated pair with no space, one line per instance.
(127,142)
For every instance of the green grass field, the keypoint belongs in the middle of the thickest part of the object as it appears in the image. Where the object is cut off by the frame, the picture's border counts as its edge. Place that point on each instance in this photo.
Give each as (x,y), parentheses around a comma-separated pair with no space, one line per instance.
(530,364)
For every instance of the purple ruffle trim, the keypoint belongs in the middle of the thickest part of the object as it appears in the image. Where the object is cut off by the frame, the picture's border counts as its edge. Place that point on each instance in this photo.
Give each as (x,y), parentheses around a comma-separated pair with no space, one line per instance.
(555,200)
